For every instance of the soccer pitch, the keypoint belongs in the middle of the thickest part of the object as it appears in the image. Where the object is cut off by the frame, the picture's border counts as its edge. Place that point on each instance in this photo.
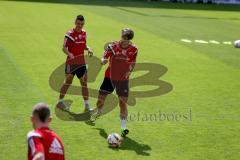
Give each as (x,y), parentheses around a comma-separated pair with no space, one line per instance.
(192,40)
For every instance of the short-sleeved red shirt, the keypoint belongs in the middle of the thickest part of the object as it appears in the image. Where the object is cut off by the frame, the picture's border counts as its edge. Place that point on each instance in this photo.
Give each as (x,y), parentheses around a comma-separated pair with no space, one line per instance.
(45,141)
(121,62)
(76,44)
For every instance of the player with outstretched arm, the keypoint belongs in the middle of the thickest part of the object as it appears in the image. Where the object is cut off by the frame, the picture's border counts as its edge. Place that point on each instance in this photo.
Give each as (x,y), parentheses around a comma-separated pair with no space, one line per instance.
(74,47)
(122,57)
(43,143)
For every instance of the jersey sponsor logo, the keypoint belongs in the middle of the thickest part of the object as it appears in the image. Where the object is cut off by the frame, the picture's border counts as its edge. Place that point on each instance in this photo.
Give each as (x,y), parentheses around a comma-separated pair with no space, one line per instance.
(56,147)
(82,42)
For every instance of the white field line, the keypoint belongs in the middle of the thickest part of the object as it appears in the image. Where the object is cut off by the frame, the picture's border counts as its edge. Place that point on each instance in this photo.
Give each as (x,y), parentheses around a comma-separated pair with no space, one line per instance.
(227,42)
(214,42)
(186,40)
(201,41)
(206,42)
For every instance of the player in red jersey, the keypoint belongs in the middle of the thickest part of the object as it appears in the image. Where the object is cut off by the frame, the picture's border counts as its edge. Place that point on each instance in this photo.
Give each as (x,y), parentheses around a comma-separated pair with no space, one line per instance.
(74,47)
(122,57)
(43,143)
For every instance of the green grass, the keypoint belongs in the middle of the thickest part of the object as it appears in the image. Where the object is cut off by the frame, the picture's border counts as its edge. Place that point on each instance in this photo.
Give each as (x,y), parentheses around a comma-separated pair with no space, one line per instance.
(205,77)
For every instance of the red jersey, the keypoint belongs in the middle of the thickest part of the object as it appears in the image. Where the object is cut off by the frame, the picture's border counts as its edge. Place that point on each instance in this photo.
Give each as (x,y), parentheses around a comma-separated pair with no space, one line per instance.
(45,141)
(76,44)
(121,61)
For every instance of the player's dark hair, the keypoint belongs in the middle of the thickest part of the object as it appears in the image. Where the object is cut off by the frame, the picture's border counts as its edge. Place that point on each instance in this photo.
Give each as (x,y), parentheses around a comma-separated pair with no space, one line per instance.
(42,111)
(128,33)
(80,18)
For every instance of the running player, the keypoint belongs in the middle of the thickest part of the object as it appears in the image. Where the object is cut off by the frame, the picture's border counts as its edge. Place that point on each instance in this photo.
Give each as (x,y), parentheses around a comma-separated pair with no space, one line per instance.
(43,143)
(74,46)
(122,57)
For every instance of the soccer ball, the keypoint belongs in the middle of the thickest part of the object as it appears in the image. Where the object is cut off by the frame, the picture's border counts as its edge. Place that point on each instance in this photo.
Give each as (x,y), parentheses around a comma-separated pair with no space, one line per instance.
(237,43)
(114,140)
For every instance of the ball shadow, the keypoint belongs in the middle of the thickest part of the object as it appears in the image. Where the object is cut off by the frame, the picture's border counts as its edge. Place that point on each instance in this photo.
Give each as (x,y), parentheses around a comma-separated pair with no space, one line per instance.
(128,144)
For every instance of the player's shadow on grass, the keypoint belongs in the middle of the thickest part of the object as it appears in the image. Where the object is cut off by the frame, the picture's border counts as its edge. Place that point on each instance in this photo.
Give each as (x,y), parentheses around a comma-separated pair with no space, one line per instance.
(90,123)
(128,144)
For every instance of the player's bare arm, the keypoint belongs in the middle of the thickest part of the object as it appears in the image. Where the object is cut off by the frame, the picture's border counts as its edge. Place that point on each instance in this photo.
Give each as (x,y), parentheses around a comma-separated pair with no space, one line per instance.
(89,49)
(39,156)
(131,67)
(104,61)
(107,52)
(65,50)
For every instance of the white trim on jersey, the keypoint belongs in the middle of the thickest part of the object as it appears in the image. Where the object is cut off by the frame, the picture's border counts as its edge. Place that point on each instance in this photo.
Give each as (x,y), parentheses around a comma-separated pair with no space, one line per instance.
(33,134)
(32,146)
(111,48)
(68,36)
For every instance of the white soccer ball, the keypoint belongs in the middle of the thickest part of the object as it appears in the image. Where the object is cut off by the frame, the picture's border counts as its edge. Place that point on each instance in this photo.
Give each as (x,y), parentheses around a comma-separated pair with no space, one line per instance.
(237,43)
(114,140)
